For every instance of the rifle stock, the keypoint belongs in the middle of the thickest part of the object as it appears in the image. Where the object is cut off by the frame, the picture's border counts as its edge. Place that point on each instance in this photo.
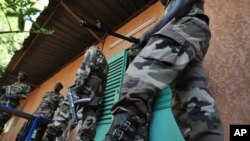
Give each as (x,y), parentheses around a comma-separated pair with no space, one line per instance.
(71,98)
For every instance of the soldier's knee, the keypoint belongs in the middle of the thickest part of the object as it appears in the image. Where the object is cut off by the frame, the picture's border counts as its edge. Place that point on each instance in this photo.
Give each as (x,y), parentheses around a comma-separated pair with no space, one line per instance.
(54,131)
(87,135)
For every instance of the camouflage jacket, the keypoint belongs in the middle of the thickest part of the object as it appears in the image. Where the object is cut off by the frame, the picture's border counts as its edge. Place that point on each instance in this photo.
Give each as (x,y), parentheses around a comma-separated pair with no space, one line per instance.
(50,102)
(14,93)
(18,90)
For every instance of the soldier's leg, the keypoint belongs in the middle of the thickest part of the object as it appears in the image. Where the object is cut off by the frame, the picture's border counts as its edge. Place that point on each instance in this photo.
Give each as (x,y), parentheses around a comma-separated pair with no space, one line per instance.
(166,54)
(4,118)
(2,114)
(87,128)
(1,124)
(40,132)
(195,109)
(144,79)
(55,129)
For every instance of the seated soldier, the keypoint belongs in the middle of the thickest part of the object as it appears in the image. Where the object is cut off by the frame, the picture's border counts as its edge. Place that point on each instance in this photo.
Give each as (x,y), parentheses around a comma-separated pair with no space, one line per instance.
(12,94)
(47,107)
(90,83)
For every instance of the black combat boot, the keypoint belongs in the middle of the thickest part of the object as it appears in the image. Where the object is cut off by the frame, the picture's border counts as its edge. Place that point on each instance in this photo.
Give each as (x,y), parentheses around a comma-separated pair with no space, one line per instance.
(126,128)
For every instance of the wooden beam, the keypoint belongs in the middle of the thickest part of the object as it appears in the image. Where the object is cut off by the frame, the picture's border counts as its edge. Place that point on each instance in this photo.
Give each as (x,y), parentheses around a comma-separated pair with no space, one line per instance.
(32,42)
(79,19)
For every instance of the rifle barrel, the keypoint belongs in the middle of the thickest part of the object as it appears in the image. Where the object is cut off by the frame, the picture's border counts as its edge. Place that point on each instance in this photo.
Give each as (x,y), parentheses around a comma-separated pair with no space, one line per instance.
(102,30)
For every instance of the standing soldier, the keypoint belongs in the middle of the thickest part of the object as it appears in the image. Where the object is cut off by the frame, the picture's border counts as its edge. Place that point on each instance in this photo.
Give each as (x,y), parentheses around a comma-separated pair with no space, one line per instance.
(50,102)
(173,51)
(12,95)
(90,83)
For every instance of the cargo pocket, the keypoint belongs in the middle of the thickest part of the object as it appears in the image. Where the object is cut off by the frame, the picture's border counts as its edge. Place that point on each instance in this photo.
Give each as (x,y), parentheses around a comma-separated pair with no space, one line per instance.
(165,46)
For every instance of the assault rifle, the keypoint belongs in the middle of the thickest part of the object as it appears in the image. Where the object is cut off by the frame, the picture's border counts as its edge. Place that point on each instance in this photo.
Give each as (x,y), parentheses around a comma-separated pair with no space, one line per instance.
(98,27)
(73,101)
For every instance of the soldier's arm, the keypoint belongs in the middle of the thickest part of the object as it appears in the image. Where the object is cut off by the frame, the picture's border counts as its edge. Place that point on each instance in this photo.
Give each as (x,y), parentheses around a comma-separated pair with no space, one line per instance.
(26,92)
(22,95)
(16,96)
(61,100)
(179,9)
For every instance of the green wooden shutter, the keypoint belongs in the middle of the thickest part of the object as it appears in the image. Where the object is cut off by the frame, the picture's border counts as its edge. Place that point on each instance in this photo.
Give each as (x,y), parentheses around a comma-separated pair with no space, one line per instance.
(162,119)
(117,67)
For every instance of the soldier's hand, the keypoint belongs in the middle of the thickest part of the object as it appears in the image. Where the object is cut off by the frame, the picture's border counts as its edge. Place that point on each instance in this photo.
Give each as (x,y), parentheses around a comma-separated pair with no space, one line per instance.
(142,41)
(134,50)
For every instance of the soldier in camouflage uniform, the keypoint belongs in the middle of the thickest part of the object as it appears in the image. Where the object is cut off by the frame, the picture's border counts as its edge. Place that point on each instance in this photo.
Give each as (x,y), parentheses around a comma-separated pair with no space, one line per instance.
(90,83)
(50,102)
(11,96)
(172,55)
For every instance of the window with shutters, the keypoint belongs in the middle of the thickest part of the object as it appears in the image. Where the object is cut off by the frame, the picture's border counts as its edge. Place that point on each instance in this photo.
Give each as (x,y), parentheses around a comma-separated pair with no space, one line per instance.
(117,67)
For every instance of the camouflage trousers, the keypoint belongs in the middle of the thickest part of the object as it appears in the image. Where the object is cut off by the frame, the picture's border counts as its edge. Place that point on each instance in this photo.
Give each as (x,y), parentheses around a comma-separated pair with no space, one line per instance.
(173,57)
(194,108)
(39,132)
(4,117)
(86,124)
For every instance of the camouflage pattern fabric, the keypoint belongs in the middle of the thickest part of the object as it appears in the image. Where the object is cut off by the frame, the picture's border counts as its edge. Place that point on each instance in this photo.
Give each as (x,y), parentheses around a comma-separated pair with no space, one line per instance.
(18,90)
(176,50)
(194,108)
(49,104)
(87,126)
(90,83)
(60,121)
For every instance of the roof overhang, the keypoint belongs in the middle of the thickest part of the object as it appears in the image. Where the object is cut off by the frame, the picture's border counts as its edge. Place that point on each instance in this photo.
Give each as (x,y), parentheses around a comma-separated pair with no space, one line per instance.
(42,56)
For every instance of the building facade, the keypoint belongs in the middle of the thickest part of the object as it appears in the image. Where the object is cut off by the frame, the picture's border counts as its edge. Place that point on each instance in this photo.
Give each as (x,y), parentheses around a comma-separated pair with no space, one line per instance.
(227,61)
